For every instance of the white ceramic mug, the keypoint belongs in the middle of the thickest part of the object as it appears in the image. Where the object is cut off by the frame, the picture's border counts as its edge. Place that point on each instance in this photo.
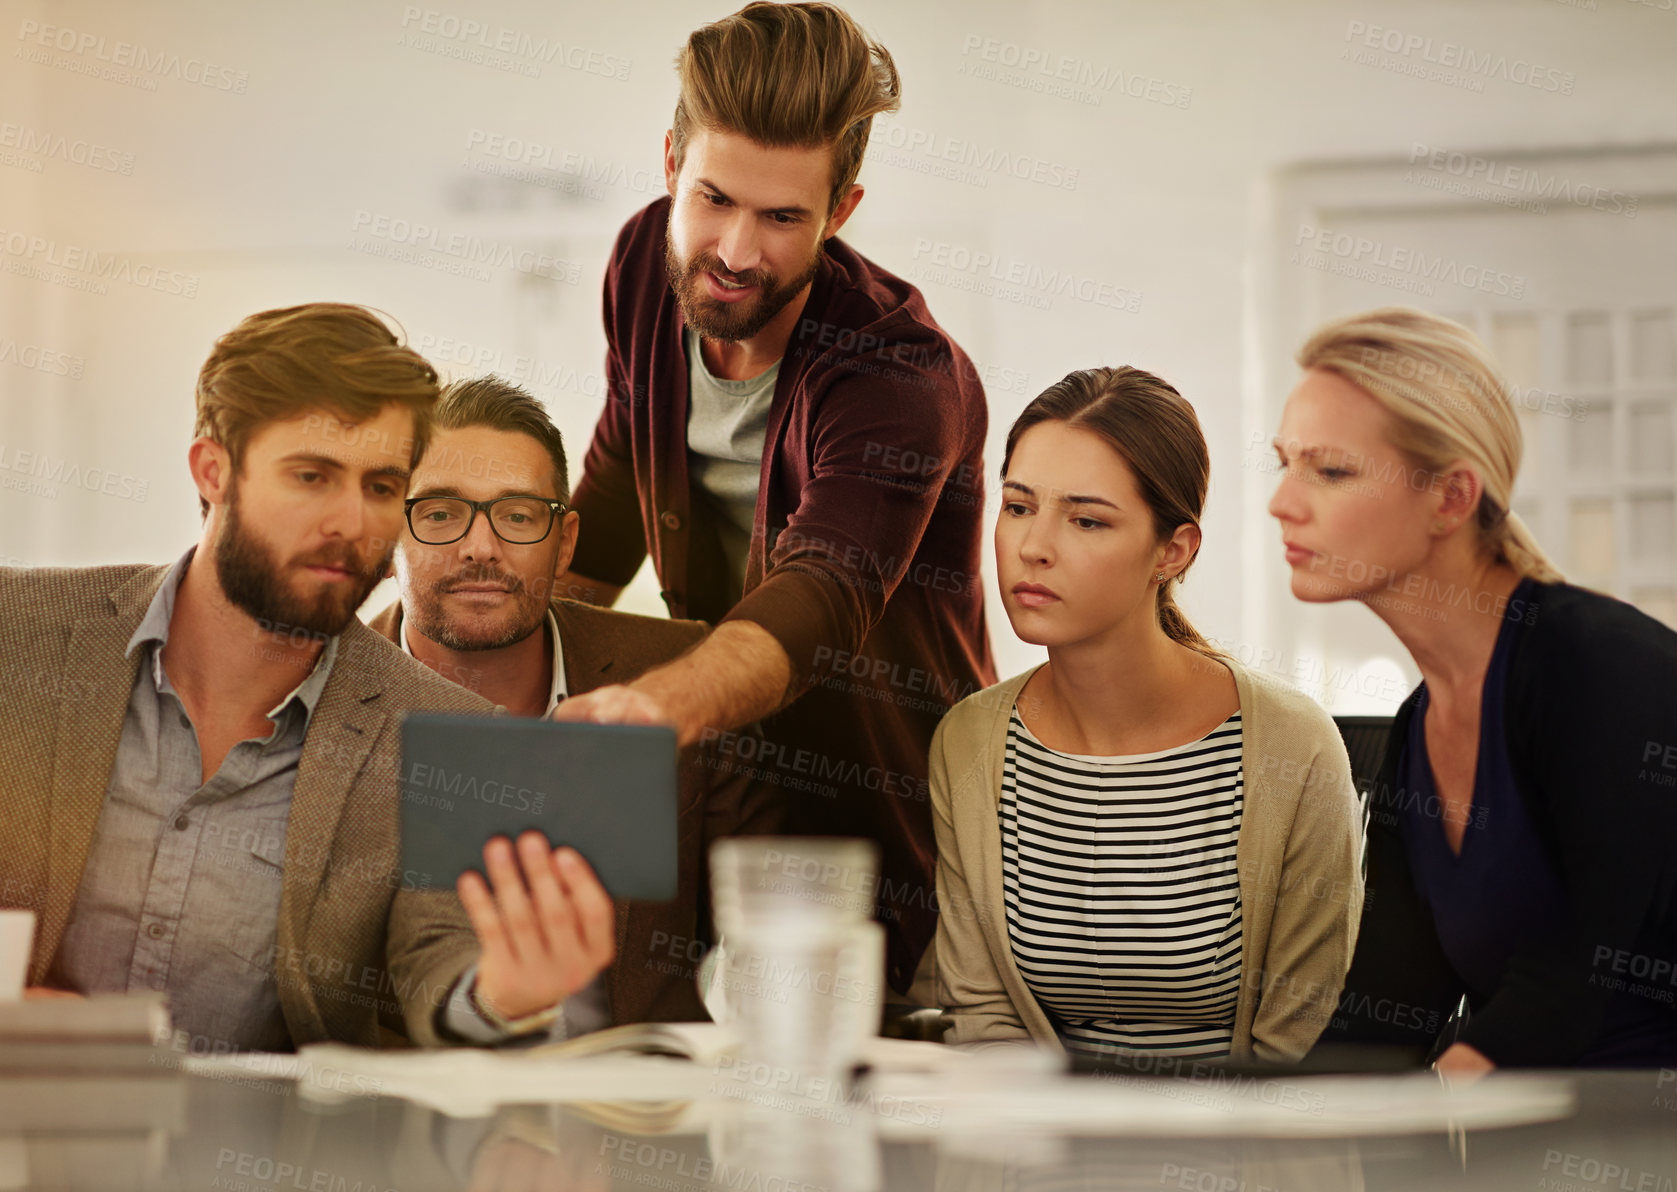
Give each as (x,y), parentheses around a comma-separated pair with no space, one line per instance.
(17,934)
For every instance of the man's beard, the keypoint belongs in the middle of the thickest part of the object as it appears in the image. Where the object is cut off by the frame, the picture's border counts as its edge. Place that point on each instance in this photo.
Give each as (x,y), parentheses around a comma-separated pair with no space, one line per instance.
(732,321)
(254,582)
(428,618)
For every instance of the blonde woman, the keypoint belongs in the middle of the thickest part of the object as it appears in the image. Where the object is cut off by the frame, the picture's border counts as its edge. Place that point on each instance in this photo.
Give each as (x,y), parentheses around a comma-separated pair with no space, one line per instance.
(1522,828)
(1142,847)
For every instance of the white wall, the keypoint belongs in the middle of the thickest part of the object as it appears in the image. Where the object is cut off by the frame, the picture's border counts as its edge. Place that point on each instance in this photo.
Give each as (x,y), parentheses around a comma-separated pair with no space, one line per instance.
(253,195)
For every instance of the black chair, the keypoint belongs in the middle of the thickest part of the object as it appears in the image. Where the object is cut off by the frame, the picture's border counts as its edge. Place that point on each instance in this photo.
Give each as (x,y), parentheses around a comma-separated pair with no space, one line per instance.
(1365,741)
(904,1021)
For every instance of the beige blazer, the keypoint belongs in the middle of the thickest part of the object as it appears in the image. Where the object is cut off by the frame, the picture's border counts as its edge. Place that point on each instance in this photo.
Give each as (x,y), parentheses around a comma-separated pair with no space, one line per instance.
(359,960)
(1298,855)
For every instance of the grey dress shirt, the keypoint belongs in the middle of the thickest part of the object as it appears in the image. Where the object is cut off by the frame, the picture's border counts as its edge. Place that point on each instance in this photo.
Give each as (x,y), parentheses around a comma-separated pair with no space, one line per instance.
(181,890)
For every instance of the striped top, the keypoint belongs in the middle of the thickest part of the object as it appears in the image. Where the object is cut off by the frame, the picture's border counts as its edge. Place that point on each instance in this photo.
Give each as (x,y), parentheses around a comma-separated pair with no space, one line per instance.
(1122,892)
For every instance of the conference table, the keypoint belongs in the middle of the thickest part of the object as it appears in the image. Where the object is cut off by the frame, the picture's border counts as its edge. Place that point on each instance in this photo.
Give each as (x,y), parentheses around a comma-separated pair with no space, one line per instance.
(441,1125)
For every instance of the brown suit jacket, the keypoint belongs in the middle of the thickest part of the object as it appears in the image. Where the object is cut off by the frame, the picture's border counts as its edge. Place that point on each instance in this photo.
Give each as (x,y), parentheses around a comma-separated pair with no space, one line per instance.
(358,958)
(659,944)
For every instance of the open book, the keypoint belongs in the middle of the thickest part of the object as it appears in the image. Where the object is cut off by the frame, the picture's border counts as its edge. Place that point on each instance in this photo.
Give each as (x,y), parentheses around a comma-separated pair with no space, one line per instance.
(701,1042)
(705,1043)
(663,1063)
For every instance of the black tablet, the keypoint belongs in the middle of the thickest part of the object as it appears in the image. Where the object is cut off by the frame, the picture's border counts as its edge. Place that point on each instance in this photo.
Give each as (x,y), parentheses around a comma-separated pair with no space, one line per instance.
(607,790)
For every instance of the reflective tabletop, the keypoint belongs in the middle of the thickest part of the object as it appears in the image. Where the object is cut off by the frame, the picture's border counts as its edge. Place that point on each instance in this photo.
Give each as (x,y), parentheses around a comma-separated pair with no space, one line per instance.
(169,1129)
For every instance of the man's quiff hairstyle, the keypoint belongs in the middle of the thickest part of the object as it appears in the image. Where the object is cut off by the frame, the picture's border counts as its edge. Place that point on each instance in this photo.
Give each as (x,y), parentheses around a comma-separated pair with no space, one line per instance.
(803,75)
(328,356)
(501,405)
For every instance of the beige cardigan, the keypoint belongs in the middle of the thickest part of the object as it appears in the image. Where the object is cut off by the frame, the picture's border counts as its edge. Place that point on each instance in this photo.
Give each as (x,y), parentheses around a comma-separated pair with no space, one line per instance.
(1298,854)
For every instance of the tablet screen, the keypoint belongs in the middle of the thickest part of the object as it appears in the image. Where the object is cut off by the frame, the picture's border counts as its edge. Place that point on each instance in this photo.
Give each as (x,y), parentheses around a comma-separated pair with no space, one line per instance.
(607,790)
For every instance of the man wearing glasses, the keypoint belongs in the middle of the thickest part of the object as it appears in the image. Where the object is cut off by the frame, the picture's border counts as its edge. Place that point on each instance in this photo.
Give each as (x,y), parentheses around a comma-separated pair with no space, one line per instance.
(487,532)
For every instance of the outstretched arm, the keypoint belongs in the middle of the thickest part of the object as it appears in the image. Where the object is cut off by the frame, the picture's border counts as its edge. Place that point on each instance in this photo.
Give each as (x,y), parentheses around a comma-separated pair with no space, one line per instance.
(738,674)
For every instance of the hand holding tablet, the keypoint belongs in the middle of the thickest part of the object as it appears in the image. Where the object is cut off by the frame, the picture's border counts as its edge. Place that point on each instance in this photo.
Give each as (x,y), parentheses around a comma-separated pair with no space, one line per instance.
(546,931)
(560,819)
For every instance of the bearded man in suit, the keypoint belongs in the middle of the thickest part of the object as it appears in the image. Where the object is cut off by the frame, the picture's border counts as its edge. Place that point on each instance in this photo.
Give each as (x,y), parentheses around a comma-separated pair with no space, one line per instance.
(198,761)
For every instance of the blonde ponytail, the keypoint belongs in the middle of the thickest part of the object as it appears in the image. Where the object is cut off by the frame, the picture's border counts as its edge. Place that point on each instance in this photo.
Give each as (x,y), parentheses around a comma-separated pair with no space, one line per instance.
(1448,403)
(1516,546)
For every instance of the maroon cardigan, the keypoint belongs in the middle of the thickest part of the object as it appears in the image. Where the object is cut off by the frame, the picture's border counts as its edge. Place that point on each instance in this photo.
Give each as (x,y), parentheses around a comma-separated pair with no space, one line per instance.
(864,560)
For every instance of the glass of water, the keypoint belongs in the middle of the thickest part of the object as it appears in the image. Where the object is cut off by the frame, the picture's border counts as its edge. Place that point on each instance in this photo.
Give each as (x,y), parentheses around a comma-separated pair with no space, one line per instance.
(802,973)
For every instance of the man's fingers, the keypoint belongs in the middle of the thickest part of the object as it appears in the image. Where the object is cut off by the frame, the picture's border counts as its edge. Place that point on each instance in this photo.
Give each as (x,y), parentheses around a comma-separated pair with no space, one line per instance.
(596,922)
(485,918)
(523,935)
(574,708)
(618,704)
(593,706)
(556,920)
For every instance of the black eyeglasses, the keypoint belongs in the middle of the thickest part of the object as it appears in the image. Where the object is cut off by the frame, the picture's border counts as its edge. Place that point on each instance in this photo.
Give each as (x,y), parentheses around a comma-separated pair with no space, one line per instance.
(437,521)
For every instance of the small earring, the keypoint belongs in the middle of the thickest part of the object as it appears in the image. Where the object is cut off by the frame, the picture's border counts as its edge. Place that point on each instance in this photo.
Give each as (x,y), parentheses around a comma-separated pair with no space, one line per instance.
(1159,578)
(1439,527)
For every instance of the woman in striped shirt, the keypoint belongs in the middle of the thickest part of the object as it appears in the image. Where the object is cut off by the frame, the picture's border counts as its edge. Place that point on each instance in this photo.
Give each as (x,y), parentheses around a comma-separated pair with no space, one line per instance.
(1143,847)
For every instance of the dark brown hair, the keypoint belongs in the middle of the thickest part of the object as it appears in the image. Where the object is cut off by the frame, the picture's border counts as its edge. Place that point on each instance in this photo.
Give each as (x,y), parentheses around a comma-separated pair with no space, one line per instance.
(323,355)
(1153,429)
(787,74)
(501,405)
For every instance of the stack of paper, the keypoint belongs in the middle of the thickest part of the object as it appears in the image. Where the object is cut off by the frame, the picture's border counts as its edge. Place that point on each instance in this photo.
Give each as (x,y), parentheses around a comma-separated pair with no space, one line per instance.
(107,1032)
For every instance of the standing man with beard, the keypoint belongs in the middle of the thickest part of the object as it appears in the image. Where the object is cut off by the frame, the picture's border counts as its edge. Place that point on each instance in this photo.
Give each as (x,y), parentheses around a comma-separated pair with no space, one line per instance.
(198,762)
(797,444)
